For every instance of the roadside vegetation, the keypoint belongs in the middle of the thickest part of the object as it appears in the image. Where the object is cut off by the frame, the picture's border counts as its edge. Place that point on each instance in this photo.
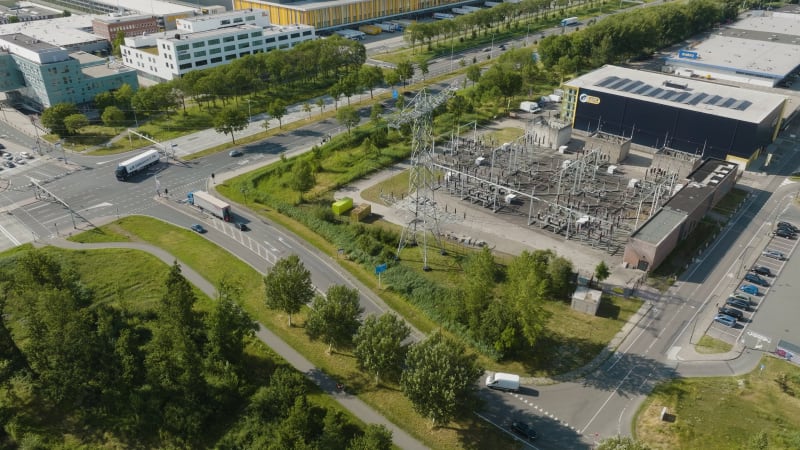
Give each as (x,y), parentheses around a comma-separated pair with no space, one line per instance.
(145,360)
(757,410)
(216,264)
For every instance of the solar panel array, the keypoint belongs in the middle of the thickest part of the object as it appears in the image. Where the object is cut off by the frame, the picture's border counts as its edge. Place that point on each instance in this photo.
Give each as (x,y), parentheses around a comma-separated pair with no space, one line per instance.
(678,96)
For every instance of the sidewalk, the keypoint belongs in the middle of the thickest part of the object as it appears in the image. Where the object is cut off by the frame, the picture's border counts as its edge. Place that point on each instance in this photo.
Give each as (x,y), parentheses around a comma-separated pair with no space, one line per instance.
(327,384)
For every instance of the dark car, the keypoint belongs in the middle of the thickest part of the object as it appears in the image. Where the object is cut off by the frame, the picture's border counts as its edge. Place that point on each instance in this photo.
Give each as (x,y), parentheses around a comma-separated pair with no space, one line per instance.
(739,303)
(789,226)
(2,146)
(753,278)
(733,312)
(9,164)
(235,153)
(525,430)
(786,227)
(240,226)
(198,228)
(785,234)
(761,270)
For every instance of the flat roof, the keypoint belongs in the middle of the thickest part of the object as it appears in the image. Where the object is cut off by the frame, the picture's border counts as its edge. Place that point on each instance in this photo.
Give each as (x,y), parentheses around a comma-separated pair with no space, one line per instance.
(155,7)
(660,225)
(122,18)
(27,42)
(695,95)
(61,31)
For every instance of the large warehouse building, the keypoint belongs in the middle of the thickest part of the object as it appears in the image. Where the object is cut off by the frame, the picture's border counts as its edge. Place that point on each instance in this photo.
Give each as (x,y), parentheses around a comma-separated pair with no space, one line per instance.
(761,49)
(660,111)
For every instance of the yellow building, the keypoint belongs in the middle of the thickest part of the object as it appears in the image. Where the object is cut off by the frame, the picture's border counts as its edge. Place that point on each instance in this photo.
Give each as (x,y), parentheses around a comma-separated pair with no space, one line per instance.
(338,13)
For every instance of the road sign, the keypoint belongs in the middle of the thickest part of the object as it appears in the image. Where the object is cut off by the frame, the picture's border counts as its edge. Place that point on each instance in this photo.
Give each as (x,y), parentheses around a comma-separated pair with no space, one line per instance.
(395,94)
(379,269)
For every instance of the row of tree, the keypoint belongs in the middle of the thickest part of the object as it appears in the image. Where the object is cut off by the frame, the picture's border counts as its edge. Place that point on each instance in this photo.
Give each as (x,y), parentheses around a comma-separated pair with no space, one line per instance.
(634,34)
(437,374)
(174,376)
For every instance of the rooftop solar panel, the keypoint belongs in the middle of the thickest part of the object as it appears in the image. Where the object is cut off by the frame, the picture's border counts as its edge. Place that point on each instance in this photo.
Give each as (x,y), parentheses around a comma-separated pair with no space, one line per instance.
(712,100)
(695,99)
(643,90)
(621,82)
(728,102)
(680,97)
(607,81)
(745,104)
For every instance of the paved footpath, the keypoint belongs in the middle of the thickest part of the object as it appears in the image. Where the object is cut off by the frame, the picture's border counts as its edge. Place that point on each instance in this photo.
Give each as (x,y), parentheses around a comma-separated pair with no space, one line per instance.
(328,385)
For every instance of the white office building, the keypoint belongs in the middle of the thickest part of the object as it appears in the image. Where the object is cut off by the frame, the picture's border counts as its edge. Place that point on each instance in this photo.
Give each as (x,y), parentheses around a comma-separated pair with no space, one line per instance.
(208,41)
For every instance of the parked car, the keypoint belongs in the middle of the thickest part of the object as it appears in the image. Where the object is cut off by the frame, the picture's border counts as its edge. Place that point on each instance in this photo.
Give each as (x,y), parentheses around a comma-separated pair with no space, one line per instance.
(786,234)
(2,146)
(753,278)
(525,430)
(774,254)
(20,161)
(726,320)
(9,163)
(733,312)
(235,153)
(8,156)
(761,270)
(198,228)
(241,226)
(739,303)
(26,155)
(789,226)
(786,228)
(746,298)
(749,289)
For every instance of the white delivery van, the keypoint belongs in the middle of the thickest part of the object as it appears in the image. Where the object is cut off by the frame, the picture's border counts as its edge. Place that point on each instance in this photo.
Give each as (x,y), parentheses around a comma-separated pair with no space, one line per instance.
(503,381)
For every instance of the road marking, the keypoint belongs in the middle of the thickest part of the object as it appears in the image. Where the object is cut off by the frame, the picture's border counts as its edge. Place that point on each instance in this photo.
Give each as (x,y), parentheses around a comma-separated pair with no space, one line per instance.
(283,242)
(611,395)
(9,236)
(271,247)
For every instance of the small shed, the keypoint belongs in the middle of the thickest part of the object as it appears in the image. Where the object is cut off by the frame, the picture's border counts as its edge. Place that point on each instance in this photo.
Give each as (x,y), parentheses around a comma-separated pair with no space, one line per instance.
(586,300)
(360,212)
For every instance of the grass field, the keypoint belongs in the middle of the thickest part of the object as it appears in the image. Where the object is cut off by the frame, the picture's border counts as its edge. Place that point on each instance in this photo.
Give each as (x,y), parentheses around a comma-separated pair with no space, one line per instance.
(708,345)
(725,412)
(214,263)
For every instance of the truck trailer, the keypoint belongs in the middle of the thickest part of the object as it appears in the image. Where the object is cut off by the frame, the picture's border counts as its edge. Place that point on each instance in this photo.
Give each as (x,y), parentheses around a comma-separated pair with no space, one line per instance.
(387,27)
(136,164)
(569,21)
(503,382)
(370,29)
(207,202)
(443,16)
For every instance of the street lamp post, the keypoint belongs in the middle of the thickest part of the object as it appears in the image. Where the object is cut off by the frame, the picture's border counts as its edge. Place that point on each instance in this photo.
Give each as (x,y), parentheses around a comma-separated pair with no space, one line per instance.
(244,194)
(249,113)
(60,145)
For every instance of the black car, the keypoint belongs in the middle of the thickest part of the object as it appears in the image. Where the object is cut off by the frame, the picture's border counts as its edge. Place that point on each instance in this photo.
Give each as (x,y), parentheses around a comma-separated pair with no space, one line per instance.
(739,303)
(761,270)
(525,430)
(753,278)
(240,226)
(786,227)
(789,226)
(733,312)
(785,234)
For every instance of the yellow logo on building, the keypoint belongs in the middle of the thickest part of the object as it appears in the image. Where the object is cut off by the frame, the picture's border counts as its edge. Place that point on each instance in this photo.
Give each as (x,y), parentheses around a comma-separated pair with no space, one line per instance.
(586,98)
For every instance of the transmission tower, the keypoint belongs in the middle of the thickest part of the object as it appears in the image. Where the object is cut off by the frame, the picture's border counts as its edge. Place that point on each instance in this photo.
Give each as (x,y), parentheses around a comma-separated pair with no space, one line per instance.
(422,181)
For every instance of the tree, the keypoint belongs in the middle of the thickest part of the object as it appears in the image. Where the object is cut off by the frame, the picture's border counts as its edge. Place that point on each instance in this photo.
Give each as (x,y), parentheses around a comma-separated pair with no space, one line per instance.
(320,104)
(119,41)
(474,73)
(347,116)
(334,317)
(527,289)
(288,286)
(370,77)
(53,117)
(392,78)
(423,66)
(229,326)
(439,377)
(230,120)
(113,116)
(277,109)
(13,19)
(307,109)
(376,437)
(66,13)
(601,272)
(405,71)
(302,176)
(480,272)
(621,443)
(379,345)
(74,122)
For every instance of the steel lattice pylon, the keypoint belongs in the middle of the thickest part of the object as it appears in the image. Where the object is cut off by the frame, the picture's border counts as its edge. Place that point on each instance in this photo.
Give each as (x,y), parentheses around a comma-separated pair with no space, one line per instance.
(422,179)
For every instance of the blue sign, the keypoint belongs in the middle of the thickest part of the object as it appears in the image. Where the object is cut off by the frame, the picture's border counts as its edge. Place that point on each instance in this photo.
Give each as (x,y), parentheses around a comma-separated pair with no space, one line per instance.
(395,94)
(380,269)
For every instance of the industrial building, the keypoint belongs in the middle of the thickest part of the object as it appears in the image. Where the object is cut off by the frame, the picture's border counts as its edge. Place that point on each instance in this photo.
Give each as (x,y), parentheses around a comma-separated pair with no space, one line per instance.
(27,12)
(663,111)
(165,12)
(39,75)
(761,49)
(73,33)
(131,25)
(208,41)
(651,243)
(341,13)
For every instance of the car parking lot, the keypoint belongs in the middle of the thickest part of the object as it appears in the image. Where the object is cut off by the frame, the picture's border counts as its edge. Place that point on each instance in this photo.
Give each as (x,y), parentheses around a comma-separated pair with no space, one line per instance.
(736,310)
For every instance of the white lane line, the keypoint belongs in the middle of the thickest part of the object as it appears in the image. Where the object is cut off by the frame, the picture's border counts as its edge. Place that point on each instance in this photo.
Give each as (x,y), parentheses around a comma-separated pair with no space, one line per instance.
(610,396)
(9,236)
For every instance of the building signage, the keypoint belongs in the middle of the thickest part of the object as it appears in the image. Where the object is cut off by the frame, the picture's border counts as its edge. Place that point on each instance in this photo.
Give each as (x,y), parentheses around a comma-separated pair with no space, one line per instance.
(586,98)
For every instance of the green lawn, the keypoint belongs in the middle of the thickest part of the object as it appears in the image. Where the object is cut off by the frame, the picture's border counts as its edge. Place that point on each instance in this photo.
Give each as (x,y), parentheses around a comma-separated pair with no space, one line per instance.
(708,344)
(725,412)
(214,263)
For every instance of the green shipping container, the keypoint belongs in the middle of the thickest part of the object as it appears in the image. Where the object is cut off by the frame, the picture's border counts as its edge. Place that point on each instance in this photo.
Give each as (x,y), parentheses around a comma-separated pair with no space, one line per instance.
(342,206)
